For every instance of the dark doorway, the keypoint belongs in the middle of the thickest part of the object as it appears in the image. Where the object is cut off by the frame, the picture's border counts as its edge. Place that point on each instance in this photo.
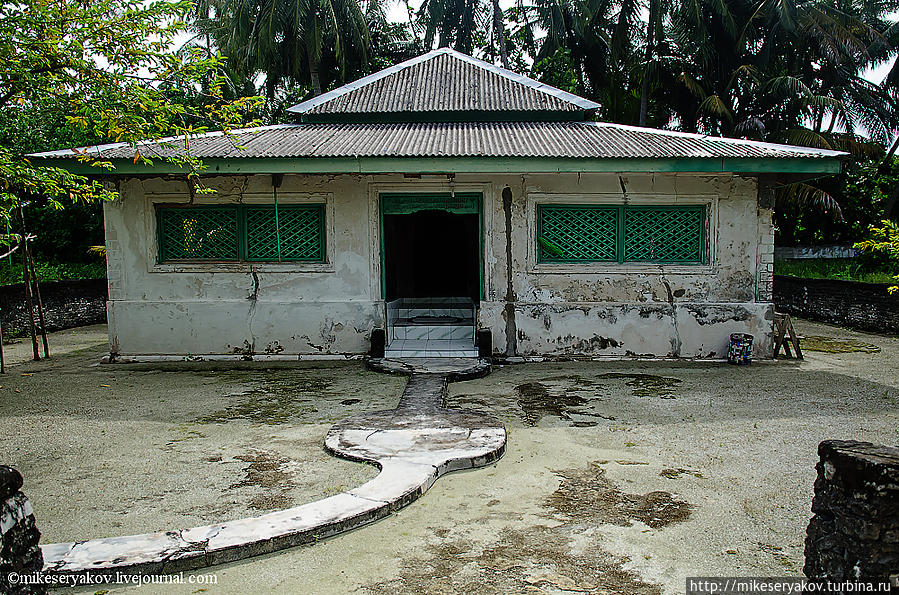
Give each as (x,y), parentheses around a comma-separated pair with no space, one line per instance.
(431,254)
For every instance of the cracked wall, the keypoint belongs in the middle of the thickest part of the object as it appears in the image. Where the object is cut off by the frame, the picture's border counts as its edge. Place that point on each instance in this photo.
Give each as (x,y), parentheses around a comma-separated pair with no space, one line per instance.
(241,308)
(331,308)
(613,309)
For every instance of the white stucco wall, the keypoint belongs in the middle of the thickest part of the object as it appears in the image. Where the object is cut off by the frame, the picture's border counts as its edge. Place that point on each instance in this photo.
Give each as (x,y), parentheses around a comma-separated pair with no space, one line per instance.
(290,308)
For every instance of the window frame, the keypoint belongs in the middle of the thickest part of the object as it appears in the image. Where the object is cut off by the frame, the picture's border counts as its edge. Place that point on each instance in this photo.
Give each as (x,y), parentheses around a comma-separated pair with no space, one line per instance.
(703,233)
(705,204)
(322,230)
(242,251)
(541,207)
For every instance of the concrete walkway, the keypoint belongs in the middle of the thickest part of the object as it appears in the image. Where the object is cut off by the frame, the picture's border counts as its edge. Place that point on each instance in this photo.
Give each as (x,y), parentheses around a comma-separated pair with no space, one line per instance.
(412,445)
(20,351)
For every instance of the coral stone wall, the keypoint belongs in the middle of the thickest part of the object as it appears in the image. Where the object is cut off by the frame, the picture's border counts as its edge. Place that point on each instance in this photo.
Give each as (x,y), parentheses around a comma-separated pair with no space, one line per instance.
(67,304)
(19,536)
(854,534)
(862,306)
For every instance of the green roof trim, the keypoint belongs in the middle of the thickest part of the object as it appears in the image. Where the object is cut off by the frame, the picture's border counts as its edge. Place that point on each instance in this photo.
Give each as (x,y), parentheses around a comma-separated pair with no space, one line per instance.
(438,165)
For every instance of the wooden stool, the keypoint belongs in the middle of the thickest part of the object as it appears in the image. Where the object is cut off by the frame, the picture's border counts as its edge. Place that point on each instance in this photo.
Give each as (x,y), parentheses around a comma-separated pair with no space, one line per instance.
(783,325)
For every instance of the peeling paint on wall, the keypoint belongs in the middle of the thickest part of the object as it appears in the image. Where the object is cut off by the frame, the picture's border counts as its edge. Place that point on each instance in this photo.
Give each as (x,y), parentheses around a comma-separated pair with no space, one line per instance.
(531,309)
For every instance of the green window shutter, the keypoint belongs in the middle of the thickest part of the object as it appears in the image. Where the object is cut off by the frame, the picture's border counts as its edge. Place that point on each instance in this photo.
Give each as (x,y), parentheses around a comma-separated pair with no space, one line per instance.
(577,233)
(302,232)
(197,233)
(673,234)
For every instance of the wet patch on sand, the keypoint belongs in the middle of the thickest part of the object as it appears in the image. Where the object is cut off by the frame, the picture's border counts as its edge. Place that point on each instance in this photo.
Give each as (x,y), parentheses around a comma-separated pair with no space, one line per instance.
(647,385)
(587,496)
(535,401)
(270,474)
(539,558)
(275,397)
(574,400)
(675,473)
(536,559)
(836,345)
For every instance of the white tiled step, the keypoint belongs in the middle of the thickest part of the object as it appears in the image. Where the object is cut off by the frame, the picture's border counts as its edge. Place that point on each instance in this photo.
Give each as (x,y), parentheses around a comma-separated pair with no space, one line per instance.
(442,332)
(467,313)
(430,348)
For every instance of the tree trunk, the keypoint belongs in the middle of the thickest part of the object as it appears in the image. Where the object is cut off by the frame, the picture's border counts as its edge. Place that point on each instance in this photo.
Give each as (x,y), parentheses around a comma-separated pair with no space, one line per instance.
(889,156)
(650,44)
(500,33)
(890,210)
(314,74)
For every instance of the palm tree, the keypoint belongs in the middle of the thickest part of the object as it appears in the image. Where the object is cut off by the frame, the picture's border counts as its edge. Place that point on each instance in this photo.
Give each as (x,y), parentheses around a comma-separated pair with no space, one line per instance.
(787,70)
(290,40)
(466,25)
(599,39)
(453,23)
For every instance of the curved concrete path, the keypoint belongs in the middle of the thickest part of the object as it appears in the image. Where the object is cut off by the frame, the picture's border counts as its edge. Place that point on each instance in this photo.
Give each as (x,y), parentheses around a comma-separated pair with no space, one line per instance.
(413,445)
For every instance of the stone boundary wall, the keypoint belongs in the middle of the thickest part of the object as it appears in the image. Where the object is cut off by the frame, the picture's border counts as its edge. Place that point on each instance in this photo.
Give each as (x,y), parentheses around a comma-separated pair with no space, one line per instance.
(19,536)
(854,533)
(67,304)
(862,306)
(812,252)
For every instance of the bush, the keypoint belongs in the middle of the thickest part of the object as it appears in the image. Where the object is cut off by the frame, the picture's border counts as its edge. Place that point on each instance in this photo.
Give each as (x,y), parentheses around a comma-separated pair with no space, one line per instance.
(848,269)
(884,242)
(65,234)
(12,273)
(863,193)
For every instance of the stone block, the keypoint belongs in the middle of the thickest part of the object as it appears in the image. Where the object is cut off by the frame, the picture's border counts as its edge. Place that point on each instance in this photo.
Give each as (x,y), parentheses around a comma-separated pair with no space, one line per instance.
(853,533)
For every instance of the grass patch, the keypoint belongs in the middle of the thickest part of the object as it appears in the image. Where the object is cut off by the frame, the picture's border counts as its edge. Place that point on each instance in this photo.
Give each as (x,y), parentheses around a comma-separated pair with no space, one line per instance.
(846,269)
(832,345)
(52,271)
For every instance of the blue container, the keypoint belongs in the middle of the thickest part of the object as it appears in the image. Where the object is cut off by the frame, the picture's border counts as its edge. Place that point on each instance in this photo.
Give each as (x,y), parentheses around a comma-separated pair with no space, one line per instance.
(740,350)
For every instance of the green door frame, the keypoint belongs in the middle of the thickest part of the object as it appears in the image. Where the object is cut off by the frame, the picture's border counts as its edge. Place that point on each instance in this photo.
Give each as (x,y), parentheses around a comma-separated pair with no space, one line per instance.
(406,203)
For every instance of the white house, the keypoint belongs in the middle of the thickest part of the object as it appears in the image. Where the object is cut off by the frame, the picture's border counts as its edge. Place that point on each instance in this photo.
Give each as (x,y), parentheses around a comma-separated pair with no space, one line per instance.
(440,197)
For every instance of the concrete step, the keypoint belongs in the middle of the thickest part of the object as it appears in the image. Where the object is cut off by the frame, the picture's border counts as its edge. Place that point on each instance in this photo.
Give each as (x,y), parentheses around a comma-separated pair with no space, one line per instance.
(431,348)
(440,332)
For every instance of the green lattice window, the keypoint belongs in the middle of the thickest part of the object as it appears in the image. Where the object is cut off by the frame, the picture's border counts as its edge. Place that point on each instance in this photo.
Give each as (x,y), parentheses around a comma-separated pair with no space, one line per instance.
(198,233)
(621,233)
(567,233)
(302,233)
(242,233)
(664,234)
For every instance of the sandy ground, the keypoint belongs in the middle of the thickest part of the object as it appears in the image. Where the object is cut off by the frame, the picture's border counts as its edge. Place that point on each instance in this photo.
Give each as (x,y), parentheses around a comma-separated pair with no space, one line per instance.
(112,450)
(620,477)
(20,350)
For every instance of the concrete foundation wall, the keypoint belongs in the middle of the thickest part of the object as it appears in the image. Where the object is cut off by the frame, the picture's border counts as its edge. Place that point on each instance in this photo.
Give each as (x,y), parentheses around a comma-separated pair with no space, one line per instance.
(538,309)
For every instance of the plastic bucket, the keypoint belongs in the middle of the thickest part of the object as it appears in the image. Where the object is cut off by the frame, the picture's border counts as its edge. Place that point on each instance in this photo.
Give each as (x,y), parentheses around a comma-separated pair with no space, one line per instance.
(740,350)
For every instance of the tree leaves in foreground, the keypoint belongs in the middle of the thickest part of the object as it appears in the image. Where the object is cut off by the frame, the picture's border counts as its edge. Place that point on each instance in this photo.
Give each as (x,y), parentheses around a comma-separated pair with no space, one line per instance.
(884,240)
(107,68)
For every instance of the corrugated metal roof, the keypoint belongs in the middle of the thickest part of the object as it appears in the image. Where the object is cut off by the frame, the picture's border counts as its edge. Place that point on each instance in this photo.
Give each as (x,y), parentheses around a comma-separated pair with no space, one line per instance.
(444,81)
(575,140)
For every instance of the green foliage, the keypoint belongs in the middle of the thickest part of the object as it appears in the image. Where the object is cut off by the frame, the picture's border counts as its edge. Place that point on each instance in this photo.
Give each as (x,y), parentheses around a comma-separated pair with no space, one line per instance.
(559,71)
(106,69)
(884,240)
(65,234)
(776,71)
(852,202)
(51,271)
(846,269)
(290,42)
